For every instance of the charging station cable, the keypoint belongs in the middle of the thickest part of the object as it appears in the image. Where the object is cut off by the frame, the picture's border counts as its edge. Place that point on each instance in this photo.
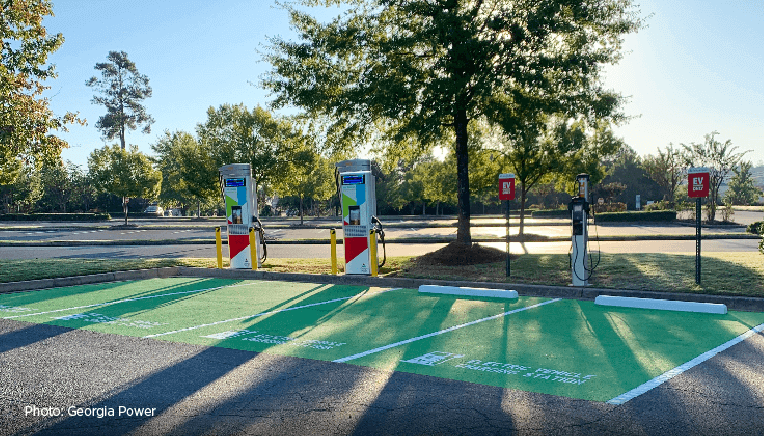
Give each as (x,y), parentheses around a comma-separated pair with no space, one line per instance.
(261,231)
(378,229)
(592,265)
(589,271)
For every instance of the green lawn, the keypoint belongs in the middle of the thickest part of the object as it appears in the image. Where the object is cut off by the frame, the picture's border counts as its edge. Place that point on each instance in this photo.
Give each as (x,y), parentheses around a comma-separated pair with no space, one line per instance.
(722,273)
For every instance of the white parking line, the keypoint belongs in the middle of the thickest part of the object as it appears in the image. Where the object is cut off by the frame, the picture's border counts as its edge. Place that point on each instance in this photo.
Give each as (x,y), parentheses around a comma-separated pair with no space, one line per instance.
(657,381)
(448,330)
(270,312)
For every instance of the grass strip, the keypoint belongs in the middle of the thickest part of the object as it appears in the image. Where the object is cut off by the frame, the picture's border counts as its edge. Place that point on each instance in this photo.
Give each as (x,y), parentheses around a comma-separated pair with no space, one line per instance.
(722,273)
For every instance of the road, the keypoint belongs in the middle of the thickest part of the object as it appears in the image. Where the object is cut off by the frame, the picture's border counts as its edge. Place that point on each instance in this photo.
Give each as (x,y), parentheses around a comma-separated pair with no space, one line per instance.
(185,231)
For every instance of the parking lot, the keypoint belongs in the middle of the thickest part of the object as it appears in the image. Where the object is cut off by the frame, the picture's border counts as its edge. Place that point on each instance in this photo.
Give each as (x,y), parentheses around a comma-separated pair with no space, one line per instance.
(213,355)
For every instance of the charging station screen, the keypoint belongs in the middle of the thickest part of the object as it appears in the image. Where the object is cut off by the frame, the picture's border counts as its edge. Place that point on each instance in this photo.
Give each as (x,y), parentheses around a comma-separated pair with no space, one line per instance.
(235,182)
(352,180)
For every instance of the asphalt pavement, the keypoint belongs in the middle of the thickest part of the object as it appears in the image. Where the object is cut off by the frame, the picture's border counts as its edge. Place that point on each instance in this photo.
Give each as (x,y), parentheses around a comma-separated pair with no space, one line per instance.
(164,238)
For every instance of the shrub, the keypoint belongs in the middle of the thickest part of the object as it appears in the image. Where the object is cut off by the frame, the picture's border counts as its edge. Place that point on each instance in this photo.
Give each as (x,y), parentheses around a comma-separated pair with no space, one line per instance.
(69,217)
(609,207)
(658,205)
(550,213)
(756,228)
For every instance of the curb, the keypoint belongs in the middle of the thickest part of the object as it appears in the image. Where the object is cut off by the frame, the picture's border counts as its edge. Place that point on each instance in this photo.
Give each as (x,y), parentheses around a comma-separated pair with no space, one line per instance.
(116,276)
(749,304)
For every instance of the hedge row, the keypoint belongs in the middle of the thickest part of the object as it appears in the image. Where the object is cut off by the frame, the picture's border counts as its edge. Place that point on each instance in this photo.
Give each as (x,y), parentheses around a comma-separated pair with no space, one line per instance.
(550,213)
(55,217)
(613,217)
(650,216)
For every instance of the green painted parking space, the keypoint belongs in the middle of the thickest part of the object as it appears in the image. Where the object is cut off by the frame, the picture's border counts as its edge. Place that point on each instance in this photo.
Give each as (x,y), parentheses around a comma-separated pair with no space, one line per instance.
(561,347)
(40,305)
(161,305)
(570,348)
(370,320)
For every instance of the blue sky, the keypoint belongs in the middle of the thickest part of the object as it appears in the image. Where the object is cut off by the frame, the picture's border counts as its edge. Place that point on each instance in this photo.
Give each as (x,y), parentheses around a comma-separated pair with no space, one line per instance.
(697,67)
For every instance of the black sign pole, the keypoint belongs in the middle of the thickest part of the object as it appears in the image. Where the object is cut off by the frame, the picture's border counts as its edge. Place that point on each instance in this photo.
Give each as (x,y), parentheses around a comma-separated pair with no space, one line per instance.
(506,212)
(697,240)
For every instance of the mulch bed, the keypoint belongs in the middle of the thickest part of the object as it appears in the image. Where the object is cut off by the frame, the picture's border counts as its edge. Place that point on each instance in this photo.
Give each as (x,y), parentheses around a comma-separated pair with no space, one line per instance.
(457,253)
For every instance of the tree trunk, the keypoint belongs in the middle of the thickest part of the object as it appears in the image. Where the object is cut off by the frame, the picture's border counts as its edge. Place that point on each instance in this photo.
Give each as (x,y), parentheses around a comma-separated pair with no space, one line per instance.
(462,178)
(198,208)
(423,205)
(523,193)
(124,208)
(301,217)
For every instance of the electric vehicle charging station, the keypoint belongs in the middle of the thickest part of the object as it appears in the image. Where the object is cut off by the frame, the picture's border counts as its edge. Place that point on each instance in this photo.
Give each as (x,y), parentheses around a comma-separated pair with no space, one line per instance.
(579,208)
(238,189)
(360,226)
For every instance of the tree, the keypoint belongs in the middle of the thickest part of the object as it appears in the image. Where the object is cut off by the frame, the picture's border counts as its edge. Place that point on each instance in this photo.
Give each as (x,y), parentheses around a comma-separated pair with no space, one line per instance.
(124,173)
(441,182)
(234,134)
(121,89)
(25,190)
(188,172)
(424,69)
(309,177)
(612,190)
(558,152)
(741,189)
(720,158)
(57,187)
(666,170)
(625,168)
(83,192)
(25,118)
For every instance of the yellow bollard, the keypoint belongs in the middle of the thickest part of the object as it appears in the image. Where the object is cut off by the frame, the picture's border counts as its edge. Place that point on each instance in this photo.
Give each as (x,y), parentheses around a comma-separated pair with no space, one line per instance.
(253,247)
(373,253)
(219,243)
(333,234)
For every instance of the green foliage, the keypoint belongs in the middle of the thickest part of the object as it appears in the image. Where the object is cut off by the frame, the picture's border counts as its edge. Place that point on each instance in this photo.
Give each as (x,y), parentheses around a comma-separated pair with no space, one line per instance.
(557,152)
(124,173)
(122,89)
(609,207)
(550,213)
(757,228)
(58,217)
(308,176)
(741,189)
(233,134)
(626,178)
(720,158)
(666,170)
(658,205)
(57,187)
(189,174)
(23,193)
(420,71)
(25,117)
(440,185)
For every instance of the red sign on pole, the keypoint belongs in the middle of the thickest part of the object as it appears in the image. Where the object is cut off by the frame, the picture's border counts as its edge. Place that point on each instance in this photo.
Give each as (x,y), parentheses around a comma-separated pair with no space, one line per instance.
(506,187)
(698,182)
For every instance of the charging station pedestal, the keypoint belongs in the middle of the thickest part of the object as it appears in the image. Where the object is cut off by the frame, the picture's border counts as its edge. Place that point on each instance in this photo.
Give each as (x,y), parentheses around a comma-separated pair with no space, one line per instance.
(579,209)
(238,189)
(359,204)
